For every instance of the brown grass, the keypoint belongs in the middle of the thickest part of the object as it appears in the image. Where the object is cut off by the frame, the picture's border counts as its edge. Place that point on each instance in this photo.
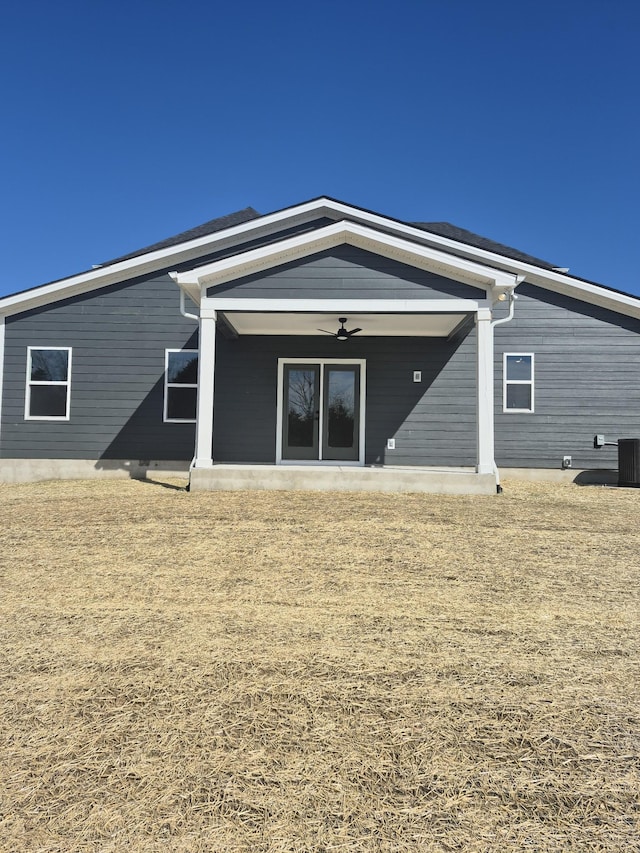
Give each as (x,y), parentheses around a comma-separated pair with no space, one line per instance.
(318,672)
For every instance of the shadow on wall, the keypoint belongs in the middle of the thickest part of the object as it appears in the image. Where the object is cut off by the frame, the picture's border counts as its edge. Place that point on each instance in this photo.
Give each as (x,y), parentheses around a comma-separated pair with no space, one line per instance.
(245,423)
(146,444)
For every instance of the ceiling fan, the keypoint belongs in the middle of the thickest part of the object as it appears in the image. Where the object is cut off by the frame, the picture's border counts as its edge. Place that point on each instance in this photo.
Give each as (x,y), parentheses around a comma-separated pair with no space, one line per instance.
(342,334)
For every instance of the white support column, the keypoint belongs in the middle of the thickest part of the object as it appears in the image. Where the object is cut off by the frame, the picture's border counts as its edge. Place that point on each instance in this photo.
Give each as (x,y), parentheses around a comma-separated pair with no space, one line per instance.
(484,393)
(206,373)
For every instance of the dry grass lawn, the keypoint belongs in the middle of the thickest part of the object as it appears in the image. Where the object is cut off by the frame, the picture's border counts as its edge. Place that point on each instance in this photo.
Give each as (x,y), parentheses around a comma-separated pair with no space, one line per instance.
(318,672)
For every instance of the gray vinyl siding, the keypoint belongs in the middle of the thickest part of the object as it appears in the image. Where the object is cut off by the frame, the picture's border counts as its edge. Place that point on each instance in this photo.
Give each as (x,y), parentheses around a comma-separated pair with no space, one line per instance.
(119,334)
(433,422)
(587,373)
(587,381)
(118,337)
(346,272)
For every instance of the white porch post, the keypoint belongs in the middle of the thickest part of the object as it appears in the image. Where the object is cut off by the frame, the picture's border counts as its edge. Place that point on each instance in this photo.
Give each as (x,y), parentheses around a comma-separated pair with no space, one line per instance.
(206,372)
(484,392)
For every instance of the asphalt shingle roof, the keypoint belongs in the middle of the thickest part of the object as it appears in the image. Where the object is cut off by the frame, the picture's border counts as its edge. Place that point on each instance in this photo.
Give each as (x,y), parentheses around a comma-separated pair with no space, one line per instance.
(203,230)
(445,229)
(442,229)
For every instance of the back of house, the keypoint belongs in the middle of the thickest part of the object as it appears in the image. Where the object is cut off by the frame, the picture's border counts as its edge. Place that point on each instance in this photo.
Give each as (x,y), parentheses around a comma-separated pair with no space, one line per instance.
(319,346)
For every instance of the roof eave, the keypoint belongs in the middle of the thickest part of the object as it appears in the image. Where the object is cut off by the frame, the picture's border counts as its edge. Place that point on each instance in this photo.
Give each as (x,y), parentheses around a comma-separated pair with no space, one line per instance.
(323,205)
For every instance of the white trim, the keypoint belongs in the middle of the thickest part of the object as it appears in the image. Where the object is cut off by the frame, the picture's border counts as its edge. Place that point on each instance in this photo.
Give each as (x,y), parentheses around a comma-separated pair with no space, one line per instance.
(506,382)
(203,456)
(152,261)
(280,413)
(30,382)
(350,306)
(310,242)
(226,238)
(484,394)
(165,418)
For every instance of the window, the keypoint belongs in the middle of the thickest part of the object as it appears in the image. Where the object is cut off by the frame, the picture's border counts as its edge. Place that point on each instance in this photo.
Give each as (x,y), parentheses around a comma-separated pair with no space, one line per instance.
(48,383)
(518,382)
(181,385)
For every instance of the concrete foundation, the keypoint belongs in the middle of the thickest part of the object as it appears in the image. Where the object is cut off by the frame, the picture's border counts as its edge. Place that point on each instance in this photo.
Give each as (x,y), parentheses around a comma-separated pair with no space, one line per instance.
(34,470)
(583,477)
(445,481)
(454,481)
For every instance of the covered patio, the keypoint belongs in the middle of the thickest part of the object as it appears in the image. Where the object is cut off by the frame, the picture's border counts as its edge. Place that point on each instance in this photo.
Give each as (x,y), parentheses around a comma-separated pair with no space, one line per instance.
(228,307)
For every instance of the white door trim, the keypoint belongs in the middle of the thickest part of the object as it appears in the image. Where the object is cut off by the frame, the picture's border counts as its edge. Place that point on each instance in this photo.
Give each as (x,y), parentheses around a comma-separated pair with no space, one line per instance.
(280,413)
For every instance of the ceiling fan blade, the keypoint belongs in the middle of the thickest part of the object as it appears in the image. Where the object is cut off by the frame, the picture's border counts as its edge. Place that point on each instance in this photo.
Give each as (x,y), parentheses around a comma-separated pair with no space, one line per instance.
(325,331)
(354,332)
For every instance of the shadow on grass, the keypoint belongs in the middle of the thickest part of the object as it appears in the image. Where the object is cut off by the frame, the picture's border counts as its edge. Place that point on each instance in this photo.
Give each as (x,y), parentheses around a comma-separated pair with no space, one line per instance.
(163,484)
(597,477)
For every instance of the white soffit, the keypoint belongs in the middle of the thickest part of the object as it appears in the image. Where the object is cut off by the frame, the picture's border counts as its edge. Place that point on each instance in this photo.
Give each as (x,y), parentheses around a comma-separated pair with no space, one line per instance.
(372,325)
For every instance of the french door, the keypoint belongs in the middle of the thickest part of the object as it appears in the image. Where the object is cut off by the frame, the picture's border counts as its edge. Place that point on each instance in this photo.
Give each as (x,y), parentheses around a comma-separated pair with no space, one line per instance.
(321,411)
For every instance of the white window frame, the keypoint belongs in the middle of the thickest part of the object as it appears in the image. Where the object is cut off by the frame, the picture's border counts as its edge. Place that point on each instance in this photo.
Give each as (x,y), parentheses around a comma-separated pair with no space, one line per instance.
(30,382)
(506,382)
(167,385)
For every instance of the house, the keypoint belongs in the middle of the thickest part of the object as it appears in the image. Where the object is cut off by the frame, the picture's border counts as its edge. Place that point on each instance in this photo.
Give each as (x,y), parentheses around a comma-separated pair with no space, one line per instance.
(320,346)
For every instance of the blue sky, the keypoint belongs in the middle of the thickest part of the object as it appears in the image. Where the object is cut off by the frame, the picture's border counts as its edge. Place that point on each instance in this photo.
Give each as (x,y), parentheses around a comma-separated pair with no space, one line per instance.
(124,123)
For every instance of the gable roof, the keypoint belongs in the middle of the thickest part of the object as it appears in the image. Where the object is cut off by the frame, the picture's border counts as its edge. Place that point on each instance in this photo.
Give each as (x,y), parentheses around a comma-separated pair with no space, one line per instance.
(341,232)
(461,235)
(210,227)
(229,234)
(444,229)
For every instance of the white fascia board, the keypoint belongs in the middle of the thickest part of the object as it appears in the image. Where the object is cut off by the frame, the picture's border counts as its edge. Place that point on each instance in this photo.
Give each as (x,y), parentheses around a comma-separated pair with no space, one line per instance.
(301,245)
(548,279)
(621,303)
(143,264)
(162,258)
(80,284)
(210,305)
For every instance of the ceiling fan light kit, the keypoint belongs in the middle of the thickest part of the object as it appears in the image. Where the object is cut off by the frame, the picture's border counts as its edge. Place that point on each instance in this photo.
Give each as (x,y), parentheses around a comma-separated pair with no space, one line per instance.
(343,334)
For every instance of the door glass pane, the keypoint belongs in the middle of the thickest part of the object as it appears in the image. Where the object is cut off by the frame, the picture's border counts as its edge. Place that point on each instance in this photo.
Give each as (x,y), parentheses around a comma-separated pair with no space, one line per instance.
(302,406)
(340,407)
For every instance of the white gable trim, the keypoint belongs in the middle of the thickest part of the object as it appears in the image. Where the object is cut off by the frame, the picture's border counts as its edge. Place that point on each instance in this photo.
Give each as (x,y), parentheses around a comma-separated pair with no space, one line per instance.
(622,303)
(548,279)
(192,249)
(330,236)
(150,262)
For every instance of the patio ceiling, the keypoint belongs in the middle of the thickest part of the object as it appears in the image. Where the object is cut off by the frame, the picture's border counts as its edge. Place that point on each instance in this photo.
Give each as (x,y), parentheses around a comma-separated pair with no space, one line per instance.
(372,325)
